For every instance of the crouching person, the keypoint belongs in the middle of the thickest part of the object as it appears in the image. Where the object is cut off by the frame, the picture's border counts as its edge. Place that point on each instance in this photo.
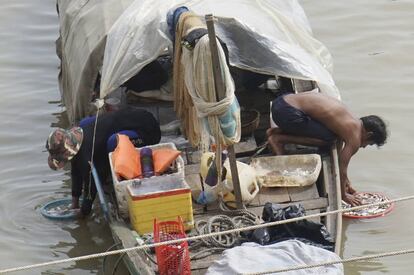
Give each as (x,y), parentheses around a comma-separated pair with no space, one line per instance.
(315,119)
(77,145)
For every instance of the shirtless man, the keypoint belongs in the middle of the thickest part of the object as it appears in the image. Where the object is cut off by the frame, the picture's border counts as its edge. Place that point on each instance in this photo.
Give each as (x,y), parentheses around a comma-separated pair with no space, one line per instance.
(316,119)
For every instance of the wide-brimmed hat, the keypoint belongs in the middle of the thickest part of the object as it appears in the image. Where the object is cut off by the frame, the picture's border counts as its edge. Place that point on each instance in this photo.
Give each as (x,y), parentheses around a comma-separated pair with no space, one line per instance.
(63,145)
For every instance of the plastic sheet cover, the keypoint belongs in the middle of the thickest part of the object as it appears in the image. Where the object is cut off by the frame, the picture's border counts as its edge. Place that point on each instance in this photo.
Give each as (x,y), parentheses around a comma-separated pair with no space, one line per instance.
(251,258)
(83,28)
(267,36)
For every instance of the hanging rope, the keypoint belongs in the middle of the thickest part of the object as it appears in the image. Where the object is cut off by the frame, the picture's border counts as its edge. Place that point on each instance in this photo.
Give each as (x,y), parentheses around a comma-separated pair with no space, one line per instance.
(195,93)
(213,234)
(93,151)
(183,104)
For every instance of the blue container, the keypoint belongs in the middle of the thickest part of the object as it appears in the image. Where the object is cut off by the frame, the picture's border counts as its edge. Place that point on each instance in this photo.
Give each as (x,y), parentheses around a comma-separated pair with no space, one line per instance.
(147,164)
(47,210)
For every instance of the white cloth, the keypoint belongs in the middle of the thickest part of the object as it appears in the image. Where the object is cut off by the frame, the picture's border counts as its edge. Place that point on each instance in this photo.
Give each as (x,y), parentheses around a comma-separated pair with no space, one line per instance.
(252,257)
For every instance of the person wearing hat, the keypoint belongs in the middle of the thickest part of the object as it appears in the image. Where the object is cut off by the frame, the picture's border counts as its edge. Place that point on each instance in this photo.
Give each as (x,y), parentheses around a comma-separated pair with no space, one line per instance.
(77,144)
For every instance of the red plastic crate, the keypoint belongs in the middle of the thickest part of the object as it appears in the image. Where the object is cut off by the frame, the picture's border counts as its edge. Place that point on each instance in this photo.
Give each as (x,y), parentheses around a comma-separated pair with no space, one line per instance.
(172,259)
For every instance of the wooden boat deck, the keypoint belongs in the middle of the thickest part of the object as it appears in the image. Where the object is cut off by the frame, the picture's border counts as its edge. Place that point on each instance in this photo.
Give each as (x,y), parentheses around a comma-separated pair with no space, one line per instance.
(316,198)
(320,197)
(308,196)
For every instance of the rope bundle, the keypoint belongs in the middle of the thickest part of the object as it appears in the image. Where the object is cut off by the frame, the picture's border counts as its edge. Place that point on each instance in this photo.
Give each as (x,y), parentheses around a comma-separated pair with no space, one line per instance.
(195,93)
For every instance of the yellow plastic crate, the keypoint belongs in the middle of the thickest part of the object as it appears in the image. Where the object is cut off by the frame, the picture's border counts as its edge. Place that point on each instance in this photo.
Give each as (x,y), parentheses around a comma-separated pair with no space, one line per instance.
(120,186)
(164,201)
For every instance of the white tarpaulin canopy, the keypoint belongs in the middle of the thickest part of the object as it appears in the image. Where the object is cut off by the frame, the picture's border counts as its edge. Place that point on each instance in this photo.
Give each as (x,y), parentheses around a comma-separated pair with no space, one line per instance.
(267,36)
(119,37)
(83,28)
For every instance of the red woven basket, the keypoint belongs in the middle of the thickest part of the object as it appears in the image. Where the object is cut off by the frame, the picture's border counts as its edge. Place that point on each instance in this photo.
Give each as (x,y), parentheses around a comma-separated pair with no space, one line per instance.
(172,259)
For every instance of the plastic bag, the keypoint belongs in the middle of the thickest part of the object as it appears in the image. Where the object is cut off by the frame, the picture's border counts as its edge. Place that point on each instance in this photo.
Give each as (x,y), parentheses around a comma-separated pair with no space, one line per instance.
(125,159)
(306,231)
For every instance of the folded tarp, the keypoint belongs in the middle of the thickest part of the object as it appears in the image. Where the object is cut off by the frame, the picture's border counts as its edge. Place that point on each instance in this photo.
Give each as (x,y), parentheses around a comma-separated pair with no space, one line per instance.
(254,258)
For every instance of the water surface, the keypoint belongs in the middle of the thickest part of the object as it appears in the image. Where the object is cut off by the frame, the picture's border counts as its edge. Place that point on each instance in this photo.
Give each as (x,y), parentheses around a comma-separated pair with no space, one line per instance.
(371,43)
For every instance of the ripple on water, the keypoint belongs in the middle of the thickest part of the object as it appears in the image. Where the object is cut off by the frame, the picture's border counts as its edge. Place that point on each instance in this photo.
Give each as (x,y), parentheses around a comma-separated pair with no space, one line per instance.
(371,42)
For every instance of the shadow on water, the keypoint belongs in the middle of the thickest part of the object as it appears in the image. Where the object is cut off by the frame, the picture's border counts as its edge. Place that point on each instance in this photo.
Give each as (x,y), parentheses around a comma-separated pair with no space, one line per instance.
(360,267)
(90,236)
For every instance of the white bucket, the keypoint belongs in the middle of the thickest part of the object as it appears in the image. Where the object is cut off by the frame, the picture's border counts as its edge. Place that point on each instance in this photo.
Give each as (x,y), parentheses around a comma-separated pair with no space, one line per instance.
(247,177)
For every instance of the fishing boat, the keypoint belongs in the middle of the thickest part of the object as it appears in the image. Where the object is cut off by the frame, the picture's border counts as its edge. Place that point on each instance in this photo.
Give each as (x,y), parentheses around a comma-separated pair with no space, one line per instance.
(270,47)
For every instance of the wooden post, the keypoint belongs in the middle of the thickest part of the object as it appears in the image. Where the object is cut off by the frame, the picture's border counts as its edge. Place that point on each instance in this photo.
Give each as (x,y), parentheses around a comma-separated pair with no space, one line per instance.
(338,195)
(220,94)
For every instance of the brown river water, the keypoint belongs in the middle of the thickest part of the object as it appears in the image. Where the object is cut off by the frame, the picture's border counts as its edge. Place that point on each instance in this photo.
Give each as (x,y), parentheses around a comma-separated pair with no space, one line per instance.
(372,43)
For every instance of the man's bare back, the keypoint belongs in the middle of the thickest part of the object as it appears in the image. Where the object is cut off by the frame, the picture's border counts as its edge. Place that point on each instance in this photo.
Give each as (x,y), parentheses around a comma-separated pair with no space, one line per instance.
(330,112)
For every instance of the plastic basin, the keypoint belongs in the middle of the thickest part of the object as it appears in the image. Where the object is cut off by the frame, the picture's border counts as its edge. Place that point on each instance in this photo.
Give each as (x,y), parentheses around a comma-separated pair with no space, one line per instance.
(287,171)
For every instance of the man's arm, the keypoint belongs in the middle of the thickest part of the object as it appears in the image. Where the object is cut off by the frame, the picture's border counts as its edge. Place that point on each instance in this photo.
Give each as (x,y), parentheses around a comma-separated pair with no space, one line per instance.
(76,186)
(345,155)
(89,195)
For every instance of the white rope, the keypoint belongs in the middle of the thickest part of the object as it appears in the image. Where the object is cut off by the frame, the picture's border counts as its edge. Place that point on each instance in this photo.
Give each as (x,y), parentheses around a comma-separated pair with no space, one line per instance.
(193,238)
(368,257)
(93,151)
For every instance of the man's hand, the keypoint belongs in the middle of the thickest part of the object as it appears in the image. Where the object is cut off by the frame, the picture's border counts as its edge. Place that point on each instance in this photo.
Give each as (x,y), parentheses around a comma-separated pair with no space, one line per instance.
(75,203)
(351,199)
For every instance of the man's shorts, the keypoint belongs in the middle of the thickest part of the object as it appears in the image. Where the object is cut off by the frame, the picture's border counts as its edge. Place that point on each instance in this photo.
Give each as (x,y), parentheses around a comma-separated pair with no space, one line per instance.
(295,122)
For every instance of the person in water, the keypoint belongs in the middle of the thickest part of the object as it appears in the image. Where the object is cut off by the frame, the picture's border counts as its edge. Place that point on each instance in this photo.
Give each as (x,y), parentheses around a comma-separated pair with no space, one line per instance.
(75,145)
(316,119)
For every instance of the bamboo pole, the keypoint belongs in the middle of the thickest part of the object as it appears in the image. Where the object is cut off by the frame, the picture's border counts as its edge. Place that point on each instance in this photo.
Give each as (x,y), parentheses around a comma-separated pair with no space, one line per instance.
(338,195)
(220,94)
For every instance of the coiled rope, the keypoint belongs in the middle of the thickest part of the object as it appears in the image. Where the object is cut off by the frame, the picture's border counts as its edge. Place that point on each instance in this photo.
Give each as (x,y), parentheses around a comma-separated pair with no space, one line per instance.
(212,234)
(208,246)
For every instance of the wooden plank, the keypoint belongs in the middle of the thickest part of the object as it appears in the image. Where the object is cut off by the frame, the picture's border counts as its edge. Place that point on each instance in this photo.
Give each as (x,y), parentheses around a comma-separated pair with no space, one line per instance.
(338,198)
(272,194)
(324,176)
(248,145)
(303,193)
(200,266)
(328,186)
(218,79)
(220,94)
(136,262)
(235,177)
(300,85)
(199,209)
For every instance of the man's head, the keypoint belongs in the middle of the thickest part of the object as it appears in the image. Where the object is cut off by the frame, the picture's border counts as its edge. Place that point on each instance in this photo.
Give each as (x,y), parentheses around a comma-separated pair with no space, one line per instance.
(63,145)
(375,131)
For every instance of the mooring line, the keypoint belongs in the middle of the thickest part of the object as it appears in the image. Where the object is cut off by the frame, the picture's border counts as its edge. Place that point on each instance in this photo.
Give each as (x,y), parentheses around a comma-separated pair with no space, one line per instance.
(209,235)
